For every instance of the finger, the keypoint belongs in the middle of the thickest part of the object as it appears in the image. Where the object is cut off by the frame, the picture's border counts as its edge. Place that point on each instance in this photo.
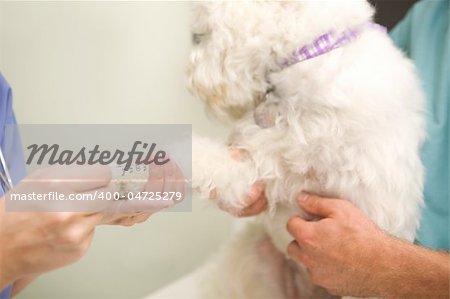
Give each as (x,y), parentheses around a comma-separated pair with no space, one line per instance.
(120,208)
(102,210)
(113,211)
(255,209)
(316,205)
(113,217)
(78,178)
(135,218)
(255,193)
(143,217)
(299,255)
(96,201)
(125,221)
(131,220)
(299,228)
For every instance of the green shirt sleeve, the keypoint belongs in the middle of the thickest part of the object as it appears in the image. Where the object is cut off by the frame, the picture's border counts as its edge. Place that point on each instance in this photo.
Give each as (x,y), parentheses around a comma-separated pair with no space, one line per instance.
(424,36)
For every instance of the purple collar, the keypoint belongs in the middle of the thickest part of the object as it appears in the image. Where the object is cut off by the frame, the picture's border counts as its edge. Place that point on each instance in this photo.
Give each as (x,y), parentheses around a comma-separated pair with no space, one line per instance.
(328,42)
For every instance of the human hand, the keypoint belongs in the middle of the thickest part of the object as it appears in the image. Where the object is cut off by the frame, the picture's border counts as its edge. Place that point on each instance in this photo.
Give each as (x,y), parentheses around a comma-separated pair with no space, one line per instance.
(35,242)
(166,178)
(343,250)
(255,200)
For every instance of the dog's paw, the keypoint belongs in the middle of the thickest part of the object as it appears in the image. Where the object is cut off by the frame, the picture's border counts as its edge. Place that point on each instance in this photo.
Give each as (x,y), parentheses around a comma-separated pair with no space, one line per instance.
(216,172)
(252,203)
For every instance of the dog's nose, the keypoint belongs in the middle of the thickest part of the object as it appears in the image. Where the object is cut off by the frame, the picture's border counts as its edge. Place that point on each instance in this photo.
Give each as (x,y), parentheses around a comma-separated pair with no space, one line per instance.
(197,38)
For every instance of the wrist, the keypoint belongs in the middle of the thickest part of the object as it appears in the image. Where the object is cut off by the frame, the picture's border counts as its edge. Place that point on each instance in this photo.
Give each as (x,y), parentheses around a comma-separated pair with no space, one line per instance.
(410,271)
(4,282)
(6,275)
(391,265)
(7,270)
(387,268)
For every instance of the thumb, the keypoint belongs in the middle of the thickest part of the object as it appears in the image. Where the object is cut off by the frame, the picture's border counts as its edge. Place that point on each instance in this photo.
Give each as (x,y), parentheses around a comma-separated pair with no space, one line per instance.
(316,205)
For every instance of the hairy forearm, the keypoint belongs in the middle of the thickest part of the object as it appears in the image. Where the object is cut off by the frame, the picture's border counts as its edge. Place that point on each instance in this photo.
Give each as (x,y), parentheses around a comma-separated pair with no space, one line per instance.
(410,271)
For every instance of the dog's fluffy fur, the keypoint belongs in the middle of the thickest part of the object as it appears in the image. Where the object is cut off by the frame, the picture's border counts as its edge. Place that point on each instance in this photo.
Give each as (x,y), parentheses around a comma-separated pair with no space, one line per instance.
(348,124)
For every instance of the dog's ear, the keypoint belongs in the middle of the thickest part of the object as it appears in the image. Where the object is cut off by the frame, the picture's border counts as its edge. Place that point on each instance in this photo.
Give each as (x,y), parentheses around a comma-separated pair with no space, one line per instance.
(199,16)
(201,7)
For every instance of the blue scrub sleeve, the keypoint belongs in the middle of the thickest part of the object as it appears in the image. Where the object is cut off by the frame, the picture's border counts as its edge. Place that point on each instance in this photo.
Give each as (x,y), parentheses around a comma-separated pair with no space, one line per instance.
(11,146)
(6,293)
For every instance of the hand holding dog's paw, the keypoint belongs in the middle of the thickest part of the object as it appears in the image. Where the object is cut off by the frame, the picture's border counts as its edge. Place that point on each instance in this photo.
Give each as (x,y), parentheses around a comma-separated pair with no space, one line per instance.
(254,202)
(227,175)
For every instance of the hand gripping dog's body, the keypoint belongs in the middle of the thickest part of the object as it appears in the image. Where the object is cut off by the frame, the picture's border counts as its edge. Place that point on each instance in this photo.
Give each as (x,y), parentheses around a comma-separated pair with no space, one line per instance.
(346,123)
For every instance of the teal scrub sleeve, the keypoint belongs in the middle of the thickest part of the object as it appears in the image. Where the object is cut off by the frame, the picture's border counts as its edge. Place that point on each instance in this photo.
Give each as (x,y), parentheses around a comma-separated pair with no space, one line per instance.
(424,36)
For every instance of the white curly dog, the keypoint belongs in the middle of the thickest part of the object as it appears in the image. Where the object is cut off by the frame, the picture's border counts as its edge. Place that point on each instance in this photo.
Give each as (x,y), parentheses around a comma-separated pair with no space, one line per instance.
(321,101)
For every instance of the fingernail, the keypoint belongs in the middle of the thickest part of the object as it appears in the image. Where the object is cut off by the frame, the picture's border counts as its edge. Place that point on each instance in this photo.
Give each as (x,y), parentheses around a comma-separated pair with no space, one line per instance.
(303,197)
(254,192)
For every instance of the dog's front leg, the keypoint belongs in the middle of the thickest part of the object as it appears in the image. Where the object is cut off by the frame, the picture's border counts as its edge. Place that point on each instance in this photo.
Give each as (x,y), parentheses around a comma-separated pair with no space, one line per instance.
(214,170)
